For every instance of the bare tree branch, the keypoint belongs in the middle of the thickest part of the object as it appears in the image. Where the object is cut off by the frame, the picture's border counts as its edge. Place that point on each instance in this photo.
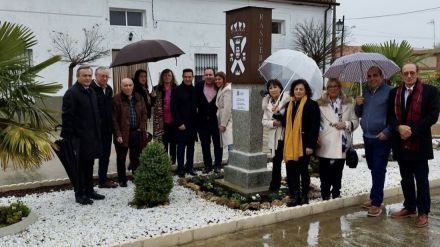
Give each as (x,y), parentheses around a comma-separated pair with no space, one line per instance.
(310,37)
(75,53)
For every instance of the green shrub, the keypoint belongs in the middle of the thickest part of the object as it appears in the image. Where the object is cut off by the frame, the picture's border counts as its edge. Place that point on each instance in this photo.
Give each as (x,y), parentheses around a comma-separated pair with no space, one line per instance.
(153,178)
(13,213)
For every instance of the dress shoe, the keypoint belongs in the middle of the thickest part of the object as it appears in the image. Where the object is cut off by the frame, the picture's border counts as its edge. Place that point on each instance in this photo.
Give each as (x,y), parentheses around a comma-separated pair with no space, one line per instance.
(421,220)
(403,213)
(374,211)
(83,200)
(191,172)
(95,196)
(207,170)
(367,204)
(294,203)
(123,184)
(108,184)
(217,170)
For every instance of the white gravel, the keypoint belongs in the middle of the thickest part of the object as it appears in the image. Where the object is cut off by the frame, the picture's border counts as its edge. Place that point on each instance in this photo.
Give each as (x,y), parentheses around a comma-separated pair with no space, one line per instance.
(62,222)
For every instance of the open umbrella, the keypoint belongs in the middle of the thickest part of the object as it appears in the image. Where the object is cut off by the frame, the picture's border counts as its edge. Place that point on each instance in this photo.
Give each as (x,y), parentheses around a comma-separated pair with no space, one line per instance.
(354,67)
(67,152)
(288,65)
(146,51)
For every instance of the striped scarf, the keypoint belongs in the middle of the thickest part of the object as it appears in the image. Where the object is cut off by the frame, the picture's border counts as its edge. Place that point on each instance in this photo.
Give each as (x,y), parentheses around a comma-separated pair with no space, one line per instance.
(293,145)
(412,114)
(158,116)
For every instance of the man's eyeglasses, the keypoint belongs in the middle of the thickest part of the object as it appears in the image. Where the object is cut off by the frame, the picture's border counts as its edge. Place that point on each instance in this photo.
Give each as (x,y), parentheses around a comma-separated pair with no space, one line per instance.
(406,73)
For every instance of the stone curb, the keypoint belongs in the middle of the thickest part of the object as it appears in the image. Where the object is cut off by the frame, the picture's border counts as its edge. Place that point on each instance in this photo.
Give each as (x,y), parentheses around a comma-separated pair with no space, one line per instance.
(19,226)
(231,226)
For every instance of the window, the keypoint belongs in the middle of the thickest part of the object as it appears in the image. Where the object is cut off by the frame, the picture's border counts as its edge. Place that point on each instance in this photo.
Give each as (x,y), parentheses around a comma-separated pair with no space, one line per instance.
(28,55)
(277,27)
(203,61)
(126,18)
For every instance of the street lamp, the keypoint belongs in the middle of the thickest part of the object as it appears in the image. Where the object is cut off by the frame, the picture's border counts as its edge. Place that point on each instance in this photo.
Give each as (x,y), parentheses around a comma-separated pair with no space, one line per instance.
(340,28)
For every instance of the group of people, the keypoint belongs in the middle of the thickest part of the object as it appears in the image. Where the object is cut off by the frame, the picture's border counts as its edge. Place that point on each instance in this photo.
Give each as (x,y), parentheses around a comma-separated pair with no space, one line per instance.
(397,119)
(92,116)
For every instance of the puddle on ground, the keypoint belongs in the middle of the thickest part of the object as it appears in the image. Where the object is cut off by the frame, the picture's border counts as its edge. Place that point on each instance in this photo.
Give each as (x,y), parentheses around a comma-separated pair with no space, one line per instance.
(342,227)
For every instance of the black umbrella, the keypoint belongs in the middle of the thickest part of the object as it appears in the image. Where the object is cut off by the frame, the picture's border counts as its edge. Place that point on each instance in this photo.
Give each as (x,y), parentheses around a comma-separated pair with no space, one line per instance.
(146,51)
(67,152)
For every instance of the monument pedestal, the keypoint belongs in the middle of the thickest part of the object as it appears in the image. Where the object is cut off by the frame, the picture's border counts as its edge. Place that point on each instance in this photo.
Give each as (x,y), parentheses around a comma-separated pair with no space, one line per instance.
(247,170)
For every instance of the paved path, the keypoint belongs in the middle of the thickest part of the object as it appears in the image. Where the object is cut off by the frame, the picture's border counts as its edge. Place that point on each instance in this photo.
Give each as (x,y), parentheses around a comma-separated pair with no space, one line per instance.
(53,169)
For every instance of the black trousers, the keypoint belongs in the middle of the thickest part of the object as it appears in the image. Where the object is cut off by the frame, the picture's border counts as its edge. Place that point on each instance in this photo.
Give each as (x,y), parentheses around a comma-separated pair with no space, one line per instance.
(417,170)
(207,132)
(85,177)
(169,140)
(275,184)
(298,173)
(330,174)
(121,155)
(181,147)
(106,146)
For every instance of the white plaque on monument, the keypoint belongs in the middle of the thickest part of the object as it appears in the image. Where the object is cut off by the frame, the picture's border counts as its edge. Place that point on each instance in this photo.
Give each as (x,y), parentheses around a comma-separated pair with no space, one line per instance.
(240,99)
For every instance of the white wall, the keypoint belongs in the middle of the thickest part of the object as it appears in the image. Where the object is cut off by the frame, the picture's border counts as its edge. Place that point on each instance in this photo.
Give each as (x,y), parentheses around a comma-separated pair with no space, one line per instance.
(196,26)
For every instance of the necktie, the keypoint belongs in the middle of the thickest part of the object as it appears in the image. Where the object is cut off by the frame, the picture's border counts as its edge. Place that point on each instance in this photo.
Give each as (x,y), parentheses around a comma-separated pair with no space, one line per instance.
(407,97)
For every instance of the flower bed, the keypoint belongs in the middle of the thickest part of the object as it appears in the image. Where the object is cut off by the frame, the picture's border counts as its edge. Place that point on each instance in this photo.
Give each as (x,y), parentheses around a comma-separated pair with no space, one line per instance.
(207,188)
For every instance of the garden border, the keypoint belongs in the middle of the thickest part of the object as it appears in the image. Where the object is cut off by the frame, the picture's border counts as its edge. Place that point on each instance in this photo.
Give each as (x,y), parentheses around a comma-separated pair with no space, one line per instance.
(19,226)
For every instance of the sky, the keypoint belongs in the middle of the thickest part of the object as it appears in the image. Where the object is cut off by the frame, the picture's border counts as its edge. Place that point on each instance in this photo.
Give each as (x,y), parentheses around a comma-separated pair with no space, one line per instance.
(415,27)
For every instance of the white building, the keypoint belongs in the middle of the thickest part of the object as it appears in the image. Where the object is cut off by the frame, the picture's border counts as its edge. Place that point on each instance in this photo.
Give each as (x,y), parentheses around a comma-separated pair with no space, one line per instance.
(196,26)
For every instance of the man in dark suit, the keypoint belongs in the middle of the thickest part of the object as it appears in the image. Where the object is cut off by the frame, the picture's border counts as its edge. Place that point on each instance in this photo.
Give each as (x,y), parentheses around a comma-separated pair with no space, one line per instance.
(104,95)
(414,108)
(81,123)
(184,110)
(207,121)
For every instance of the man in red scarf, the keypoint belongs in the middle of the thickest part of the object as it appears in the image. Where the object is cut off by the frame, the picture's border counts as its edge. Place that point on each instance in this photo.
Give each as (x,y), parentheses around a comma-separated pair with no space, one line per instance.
(414,108)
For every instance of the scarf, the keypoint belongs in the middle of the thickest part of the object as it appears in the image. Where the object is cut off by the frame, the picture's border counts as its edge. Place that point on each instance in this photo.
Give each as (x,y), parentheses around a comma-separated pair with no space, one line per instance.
(158,115)
(293,145)
(337,108)
(413,112)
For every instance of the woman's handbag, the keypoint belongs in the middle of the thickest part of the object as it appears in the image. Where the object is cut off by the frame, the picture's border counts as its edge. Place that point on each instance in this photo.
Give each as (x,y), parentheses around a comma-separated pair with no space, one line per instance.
(351,157)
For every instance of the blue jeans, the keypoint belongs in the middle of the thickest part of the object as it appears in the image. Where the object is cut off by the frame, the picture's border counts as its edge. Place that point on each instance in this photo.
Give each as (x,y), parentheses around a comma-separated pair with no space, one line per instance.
(376,153)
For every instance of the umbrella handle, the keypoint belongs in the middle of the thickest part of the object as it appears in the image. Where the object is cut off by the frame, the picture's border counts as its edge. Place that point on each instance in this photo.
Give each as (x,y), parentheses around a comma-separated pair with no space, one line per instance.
(149,76)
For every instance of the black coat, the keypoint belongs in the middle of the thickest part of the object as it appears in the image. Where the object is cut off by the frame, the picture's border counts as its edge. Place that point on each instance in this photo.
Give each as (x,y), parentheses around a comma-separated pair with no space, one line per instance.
(184,111)
(206,111)
(104,107)
(310,123)
(81,120)
(421,130)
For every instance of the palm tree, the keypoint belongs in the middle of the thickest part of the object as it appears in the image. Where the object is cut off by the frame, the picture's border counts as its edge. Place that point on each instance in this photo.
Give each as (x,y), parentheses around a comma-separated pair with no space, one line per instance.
(25,123)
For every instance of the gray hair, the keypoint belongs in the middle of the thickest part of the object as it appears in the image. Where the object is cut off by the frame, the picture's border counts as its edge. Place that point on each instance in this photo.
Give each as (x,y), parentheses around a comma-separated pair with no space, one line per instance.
(101,68)
(83,67)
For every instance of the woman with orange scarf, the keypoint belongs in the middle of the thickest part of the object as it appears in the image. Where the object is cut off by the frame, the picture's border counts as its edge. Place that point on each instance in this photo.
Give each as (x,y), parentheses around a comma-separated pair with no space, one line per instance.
(301,122)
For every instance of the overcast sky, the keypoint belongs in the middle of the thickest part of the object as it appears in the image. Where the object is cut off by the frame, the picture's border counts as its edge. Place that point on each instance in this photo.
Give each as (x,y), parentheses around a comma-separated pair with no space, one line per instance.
(414,27)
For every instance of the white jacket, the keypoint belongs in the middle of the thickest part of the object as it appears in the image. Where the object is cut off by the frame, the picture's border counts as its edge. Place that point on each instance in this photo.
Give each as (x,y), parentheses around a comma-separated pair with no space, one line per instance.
(224,113)
(275,133)
(330,139)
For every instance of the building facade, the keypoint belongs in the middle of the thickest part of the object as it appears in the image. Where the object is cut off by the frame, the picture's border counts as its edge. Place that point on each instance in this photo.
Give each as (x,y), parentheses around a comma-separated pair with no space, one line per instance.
(196,26)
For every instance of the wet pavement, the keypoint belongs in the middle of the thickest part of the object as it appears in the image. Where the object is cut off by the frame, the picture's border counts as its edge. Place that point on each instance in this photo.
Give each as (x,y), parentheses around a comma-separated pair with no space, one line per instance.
(342,227)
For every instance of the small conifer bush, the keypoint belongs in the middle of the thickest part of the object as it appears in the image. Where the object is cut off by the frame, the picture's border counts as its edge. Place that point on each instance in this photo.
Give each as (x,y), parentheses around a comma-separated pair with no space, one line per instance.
(153,179)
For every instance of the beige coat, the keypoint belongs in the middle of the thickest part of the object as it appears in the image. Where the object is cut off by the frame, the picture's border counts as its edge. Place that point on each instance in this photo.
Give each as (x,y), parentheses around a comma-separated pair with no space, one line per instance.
(224,113)
(275,133)
(330,139)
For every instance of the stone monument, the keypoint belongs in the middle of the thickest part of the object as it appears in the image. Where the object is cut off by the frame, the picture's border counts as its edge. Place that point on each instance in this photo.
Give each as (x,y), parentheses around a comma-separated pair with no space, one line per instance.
(248,44)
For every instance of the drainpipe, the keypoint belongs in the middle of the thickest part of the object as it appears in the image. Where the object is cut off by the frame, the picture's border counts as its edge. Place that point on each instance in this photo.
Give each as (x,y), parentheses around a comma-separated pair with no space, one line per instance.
(325,41)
